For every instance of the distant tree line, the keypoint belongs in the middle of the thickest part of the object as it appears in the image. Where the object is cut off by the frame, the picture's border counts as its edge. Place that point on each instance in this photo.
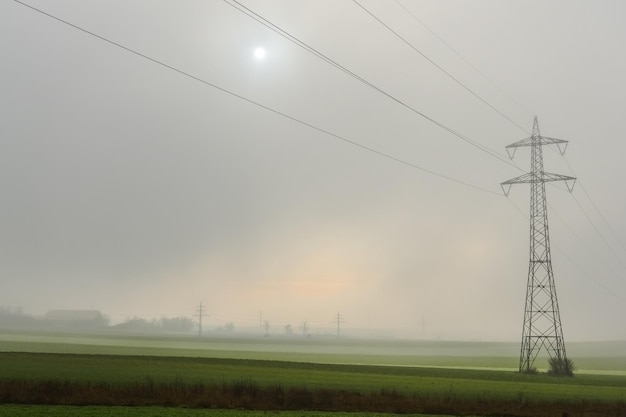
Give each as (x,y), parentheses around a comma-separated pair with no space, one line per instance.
(15,318)
(164,324)
(95,321)
(90,320)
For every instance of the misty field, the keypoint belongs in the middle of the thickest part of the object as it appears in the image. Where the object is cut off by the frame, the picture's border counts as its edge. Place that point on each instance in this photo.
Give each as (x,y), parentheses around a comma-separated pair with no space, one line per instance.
(188,375)
(594,358)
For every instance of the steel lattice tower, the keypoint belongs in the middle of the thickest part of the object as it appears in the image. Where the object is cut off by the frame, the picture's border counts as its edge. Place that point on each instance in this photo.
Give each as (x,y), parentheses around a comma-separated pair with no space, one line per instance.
(542,320)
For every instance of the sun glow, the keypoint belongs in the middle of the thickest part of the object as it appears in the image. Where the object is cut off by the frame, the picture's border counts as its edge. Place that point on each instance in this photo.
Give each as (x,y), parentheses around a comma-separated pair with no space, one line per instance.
(259,53)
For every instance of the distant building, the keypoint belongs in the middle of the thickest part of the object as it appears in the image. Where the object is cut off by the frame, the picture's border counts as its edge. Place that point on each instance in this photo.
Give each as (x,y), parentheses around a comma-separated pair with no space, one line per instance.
(75,319)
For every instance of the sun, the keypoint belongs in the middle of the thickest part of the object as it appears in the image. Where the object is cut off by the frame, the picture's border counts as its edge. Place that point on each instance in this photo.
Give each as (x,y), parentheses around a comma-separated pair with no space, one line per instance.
(259,53)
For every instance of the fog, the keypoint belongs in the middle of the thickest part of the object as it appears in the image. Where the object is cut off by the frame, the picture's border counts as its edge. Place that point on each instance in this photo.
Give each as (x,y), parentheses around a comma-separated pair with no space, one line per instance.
(188,171)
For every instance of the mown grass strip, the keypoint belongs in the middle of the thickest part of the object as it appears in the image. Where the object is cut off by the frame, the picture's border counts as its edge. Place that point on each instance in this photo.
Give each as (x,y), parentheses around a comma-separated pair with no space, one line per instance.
(119,411)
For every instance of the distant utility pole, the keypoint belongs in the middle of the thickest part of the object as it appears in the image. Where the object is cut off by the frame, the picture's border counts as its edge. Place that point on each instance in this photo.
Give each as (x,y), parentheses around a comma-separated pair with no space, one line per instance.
(339,320)
(542,321)
(200,312)
(305,328)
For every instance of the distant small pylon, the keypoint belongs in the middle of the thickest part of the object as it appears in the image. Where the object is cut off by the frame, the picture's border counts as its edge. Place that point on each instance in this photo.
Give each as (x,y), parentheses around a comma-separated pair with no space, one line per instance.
(338,320)
(200,312)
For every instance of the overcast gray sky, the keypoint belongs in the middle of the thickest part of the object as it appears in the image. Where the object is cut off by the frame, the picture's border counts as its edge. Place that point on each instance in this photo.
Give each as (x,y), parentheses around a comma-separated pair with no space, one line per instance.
(134,189)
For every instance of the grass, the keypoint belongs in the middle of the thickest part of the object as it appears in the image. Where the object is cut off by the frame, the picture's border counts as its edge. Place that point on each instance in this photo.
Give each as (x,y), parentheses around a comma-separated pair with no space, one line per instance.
(276,385)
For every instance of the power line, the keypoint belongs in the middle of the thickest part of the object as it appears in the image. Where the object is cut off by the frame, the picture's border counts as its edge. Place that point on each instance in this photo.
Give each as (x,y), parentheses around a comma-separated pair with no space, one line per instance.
(584,244)
(593,225)
(580,268)
(258,104)
(458,54)
(606,243)
(439,67)
(617,238)
(597,209)
(260,19)
(588,275)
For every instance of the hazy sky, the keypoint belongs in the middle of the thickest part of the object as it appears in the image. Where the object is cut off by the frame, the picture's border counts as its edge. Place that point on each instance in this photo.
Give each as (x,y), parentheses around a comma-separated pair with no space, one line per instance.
(134,189)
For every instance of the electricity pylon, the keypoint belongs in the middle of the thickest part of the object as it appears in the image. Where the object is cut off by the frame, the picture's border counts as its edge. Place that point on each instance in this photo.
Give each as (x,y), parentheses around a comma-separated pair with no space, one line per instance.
(542,321)
(200,312)
(338,320)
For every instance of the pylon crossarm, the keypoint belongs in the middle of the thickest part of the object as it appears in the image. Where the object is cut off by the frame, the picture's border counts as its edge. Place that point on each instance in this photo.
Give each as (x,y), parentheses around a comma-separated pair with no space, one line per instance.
(524,178)
(520,143)
(546,140)
(548,177)
(506,185)
(541,177)
(538,140)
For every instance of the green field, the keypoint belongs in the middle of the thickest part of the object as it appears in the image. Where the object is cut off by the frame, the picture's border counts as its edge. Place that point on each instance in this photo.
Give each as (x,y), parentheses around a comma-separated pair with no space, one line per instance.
(270,375)
(121,369)
(42,378)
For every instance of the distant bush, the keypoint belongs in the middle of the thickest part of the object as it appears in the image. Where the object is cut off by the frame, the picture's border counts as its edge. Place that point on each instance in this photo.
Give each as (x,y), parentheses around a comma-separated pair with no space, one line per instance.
(163,325)
(137,324)
(177,324)
(561,367)
(227,328)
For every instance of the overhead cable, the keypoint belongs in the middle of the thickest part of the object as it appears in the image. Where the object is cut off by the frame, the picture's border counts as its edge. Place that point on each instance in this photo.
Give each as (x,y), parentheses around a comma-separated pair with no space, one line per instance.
(591,222)
(597,209)
(258,104)
(583,243)
(249,12)
(458,54)
(606,243)
(439,67)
